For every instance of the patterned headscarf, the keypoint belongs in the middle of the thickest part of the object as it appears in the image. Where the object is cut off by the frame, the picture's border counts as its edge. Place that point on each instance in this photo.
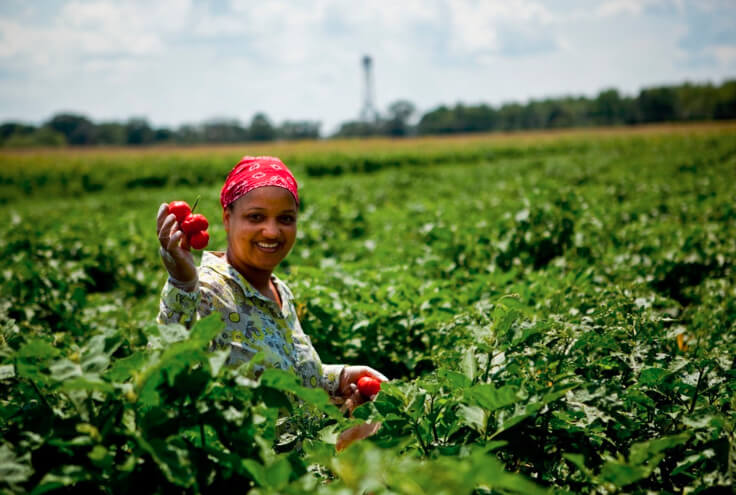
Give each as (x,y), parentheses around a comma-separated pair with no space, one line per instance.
(256,171)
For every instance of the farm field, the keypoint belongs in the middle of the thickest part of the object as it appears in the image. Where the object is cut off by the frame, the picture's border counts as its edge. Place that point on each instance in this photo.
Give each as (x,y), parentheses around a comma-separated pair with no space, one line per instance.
(557,312)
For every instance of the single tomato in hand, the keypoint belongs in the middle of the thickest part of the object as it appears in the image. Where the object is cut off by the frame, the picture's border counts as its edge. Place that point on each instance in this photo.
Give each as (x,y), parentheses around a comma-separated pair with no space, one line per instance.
(180,209)
(194,223)
(368,386)
(199,240)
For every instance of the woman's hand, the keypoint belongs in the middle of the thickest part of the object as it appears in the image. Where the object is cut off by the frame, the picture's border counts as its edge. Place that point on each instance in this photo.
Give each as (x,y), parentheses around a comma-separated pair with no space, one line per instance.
(348,392)
(355,433)
(350,397)
(174,250)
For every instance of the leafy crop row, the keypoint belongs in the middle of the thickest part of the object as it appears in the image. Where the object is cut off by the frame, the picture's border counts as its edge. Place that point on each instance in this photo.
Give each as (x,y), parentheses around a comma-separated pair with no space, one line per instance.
(552,322)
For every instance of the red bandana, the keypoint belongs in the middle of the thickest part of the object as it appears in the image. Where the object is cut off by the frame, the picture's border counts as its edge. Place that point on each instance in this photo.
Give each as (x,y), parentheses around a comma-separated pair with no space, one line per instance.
(256,171)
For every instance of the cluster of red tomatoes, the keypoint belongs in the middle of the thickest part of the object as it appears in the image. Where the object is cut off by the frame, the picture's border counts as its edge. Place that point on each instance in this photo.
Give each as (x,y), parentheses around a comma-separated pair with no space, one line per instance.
(193,225)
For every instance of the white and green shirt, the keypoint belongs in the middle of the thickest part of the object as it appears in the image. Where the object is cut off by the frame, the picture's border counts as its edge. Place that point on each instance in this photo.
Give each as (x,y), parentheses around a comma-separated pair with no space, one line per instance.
(253,322)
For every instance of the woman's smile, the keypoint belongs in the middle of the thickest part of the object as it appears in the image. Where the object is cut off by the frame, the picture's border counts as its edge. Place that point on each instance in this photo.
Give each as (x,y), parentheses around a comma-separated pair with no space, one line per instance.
(269,247)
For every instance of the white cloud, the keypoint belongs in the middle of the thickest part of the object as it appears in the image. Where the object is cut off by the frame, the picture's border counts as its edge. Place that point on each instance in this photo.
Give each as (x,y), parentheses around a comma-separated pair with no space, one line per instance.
(479,26)
(101,28)
(180,60)
(726,55)
(610,8)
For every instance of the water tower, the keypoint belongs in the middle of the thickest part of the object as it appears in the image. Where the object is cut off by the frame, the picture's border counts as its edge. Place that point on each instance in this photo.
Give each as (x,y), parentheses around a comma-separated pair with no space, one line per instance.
(368,112)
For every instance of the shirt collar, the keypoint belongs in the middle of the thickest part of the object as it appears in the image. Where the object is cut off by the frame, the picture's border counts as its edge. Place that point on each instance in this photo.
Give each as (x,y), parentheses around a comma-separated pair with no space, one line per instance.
(217,261)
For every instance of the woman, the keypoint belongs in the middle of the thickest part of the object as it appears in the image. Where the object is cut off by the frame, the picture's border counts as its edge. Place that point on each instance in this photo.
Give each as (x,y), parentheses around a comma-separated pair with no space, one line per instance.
(260,207)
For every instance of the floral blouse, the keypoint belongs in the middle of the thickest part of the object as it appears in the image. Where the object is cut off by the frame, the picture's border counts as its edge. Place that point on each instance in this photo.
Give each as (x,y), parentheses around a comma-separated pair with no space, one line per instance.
(253,322)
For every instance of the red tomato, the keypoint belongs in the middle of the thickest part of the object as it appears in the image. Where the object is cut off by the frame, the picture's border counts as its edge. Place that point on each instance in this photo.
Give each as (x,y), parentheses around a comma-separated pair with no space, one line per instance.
(194,223)
(199,240)
(368,386)
(180,209)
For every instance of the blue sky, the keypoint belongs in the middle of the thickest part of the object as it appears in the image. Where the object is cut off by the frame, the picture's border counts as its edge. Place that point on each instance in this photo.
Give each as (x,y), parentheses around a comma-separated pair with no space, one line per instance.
(187,61)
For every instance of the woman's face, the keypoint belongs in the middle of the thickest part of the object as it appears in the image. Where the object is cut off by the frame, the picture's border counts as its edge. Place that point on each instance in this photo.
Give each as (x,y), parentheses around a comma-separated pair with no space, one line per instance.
(261,228)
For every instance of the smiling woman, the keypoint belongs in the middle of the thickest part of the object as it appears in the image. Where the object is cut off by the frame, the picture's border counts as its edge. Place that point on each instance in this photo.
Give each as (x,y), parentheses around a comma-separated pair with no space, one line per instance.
(260,208)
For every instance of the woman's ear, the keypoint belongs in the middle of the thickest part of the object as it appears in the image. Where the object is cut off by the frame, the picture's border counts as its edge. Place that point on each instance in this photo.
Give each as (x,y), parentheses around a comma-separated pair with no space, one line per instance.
(226,218)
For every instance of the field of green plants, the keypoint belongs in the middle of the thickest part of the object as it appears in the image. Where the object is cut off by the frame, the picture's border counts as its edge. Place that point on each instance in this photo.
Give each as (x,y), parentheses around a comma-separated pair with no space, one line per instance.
(557,314)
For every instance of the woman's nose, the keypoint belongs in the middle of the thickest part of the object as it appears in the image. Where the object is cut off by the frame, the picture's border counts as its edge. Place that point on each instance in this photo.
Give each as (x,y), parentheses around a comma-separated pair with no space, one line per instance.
(270,229)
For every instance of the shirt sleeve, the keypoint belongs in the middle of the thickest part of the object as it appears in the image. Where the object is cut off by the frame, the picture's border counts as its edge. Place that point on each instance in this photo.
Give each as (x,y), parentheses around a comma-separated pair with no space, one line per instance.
(179,306)
(331,377)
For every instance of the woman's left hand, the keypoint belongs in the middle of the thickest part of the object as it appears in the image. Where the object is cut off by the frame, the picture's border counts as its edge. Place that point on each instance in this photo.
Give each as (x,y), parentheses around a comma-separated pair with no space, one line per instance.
(348,389)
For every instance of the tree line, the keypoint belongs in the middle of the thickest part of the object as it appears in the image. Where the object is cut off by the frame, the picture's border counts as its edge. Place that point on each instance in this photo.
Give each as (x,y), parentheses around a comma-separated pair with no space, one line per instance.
(77,130)
(681,103)
(684,103)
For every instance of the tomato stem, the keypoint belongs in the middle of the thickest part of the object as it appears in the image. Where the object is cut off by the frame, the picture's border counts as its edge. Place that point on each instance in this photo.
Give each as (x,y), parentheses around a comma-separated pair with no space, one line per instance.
(196,202)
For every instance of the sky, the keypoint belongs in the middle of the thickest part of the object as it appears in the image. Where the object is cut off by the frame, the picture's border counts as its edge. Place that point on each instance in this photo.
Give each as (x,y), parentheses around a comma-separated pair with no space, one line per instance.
(178,62)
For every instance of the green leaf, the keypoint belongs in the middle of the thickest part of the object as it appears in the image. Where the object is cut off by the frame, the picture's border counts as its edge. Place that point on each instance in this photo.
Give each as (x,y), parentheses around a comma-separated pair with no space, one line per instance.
(643,451)
(257,471)
(288,382)
(172,457)
(503,318)
(14,470)
(7,371)
(415,408)
(277,474)
(122,369)
(64,369)
(207,328)
(621,474)
(87,382)
(468,364)
(217,360)
(491,398)
(454,379)
(653,376)
(579,461)
(692,460)
(279,379)
(473,416)
(177,357)
(61,477)
(37,349)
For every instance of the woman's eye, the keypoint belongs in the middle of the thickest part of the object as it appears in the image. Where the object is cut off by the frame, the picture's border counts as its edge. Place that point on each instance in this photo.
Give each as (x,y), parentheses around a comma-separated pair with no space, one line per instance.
(287,219)
(255,217)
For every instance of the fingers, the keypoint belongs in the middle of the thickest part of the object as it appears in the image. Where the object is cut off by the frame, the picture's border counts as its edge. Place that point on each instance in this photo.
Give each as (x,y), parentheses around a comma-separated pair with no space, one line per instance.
(167,229)
(351,399)
(163,210)
(379,376)
(174,238)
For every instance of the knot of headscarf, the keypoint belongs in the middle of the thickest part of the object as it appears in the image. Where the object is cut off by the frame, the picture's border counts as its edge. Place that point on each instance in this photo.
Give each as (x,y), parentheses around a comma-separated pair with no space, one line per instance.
(256,171)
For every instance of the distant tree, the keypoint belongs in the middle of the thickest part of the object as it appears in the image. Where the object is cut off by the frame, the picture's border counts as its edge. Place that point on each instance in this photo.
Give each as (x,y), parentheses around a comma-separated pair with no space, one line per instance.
(397,122)
(111,133)
(224,131)
(607,108)
(359,128)
(298,129)
(77,129)
(437,121)
(725,106)
(693,102)
(481,118)
(261,128)
(42,136)
(511,117)
(138,132)
(15,128)
(657,104)
(163,135)
(188,134)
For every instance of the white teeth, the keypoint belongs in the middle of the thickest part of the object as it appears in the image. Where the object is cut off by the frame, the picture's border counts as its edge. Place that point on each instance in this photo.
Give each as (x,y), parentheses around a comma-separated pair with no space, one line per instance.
(267,245)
